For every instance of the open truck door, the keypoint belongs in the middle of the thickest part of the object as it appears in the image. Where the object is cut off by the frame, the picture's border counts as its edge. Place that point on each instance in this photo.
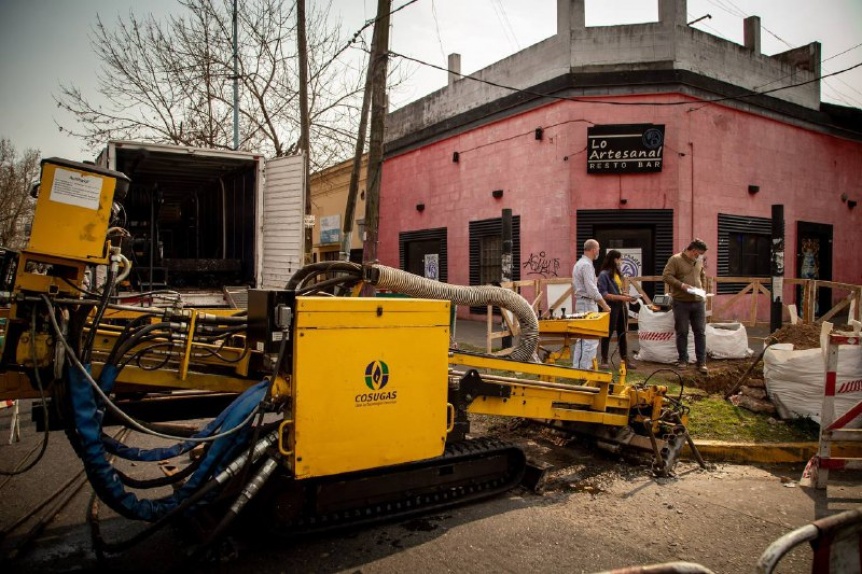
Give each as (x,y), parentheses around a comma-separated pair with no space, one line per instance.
(281,247)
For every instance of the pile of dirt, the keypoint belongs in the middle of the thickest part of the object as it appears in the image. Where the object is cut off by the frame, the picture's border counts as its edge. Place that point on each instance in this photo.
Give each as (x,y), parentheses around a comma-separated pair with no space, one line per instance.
(725,375)
(802,335)
(747,381)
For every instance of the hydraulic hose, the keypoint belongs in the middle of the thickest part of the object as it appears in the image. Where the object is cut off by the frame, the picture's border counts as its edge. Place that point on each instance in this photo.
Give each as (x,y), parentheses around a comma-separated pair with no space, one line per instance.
(410,284)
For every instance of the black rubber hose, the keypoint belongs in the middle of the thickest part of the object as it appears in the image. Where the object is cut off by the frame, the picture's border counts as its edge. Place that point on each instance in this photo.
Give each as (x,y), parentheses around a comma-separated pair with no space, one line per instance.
(322,267)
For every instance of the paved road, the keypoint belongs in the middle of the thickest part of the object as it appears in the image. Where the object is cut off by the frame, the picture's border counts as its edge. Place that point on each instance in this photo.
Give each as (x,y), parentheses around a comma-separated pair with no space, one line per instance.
(597,514)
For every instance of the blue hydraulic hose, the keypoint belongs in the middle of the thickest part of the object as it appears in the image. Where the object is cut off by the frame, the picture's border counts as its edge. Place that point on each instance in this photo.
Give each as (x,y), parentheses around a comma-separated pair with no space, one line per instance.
(103,477)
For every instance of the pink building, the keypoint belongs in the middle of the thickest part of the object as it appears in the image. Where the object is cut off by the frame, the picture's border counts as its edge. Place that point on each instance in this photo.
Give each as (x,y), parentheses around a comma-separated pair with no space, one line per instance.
(641,136)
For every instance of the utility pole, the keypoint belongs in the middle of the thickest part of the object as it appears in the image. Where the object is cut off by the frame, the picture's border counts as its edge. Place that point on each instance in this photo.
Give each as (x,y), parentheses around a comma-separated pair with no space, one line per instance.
(777,268)
(304,143)
(235,82)
(378,62)
(353,189)
(506,261)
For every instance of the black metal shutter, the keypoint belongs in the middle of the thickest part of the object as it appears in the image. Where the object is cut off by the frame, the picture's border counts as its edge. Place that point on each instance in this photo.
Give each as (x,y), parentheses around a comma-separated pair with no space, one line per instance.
(491,228)
(727,225)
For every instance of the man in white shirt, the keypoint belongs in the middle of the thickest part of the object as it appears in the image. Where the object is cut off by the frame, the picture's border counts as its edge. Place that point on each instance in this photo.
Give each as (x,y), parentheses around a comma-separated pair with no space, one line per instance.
(587,298)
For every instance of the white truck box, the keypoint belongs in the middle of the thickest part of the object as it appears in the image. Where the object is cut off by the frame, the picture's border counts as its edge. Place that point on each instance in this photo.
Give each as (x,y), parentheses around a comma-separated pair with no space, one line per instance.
(204,219)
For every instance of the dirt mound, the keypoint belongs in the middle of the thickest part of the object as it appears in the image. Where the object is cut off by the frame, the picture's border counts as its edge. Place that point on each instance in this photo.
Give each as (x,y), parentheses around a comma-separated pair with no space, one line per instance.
(803,336)
(725,374)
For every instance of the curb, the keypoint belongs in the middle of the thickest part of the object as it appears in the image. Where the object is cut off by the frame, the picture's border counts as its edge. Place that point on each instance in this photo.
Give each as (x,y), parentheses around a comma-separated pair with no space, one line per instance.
(775,452)
(751,452)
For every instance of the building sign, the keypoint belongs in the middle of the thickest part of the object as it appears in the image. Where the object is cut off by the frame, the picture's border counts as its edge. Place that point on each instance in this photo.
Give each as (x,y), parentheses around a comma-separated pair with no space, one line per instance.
(625,148)
(330,229)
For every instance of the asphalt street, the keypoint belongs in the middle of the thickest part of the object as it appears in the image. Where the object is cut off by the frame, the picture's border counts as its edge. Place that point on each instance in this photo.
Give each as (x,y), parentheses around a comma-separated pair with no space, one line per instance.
(598,513)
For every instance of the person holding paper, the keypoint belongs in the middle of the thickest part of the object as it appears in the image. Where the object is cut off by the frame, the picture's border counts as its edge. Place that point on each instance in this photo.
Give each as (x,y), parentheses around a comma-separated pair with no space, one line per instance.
(686,277)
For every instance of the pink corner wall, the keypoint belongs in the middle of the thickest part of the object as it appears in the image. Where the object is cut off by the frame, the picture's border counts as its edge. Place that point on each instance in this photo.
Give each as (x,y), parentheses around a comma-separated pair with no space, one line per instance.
(712,154)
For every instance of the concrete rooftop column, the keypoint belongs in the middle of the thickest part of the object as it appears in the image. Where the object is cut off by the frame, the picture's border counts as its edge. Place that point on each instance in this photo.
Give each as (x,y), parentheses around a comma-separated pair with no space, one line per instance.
(454,68)
(752,34)
(672,12)
(571,15)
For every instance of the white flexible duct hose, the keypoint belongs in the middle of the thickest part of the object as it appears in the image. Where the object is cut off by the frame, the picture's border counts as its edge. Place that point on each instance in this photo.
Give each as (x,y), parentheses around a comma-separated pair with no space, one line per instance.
(473,296)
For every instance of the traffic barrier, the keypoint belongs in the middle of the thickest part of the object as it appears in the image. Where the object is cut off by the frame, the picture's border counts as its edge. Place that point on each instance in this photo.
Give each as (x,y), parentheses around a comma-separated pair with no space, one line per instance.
(844,429)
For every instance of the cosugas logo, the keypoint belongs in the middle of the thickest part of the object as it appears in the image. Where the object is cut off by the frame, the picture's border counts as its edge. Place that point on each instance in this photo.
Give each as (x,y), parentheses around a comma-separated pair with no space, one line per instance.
(376,375)
(376,378)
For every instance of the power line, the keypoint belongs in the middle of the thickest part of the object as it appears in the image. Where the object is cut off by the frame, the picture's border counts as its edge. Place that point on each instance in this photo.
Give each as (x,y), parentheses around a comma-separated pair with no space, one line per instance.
(505,25)
(738,12)
(437,28)
(367,25)
(842,53)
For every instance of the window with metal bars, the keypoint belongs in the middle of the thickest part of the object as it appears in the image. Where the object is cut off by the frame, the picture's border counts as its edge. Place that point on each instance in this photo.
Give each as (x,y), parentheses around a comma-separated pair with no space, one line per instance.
(743,249)
(490,255)
(486,250)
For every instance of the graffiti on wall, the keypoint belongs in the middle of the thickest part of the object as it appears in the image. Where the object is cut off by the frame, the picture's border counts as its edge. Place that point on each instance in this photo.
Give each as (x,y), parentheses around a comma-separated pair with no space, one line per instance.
(542,265)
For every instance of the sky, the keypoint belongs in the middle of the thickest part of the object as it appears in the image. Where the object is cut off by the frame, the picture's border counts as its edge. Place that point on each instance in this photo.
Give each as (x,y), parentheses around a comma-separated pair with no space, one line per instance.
(46,43)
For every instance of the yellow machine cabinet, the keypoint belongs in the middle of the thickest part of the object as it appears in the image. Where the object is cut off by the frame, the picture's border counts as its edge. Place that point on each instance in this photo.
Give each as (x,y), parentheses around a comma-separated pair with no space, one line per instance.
(74,208)
(369,383)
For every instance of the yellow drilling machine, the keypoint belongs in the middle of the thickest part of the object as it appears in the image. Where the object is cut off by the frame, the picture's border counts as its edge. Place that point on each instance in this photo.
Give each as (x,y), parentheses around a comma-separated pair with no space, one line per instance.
(324,408)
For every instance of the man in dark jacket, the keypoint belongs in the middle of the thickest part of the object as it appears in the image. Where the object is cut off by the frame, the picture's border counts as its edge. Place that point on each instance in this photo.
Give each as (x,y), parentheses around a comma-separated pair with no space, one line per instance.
(685,275)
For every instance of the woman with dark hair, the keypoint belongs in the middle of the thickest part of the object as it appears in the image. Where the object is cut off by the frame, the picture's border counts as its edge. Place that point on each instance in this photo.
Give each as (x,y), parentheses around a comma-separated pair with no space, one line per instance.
(611,288)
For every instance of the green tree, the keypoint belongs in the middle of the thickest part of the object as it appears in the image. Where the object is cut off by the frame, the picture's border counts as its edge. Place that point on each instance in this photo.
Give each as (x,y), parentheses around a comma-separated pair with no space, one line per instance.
(16,205)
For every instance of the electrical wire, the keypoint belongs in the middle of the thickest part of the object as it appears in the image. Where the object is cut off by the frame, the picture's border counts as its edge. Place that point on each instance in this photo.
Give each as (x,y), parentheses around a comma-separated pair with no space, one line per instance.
(358,33)
(100,311)
(139,355)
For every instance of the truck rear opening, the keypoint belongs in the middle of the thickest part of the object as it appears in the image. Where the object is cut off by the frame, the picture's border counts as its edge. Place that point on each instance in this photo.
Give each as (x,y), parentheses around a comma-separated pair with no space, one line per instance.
(196,218)
(191,218)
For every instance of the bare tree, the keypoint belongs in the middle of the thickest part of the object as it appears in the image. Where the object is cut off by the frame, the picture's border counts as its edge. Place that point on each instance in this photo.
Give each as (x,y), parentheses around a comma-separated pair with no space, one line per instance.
(16,205)
(171,81)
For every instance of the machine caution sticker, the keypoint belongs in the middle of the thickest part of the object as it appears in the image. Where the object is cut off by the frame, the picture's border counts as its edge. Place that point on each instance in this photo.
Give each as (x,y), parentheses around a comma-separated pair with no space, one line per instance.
(76,189)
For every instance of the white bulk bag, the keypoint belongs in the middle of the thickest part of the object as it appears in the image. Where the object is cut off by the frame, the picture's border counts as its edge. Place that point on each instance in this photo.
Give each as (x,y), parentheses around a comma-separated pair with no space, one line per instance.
(727,341)
(795,380)
(657,338)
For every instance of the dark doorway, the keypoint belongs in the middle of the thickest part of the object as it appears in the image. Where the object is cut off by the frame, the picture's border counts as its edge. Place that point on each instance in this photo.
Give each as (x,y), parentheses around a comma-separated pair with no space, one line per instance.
(420,254)
(424,253)
(814,261)
(650,230)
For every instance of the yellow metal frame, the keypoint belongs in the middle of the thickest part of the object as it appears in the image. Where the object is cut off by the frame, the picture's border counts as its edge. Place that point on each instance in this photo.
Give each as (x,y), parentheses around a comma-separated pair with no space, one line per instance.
(589,396)
(184,377)
(31,277)
(593,325)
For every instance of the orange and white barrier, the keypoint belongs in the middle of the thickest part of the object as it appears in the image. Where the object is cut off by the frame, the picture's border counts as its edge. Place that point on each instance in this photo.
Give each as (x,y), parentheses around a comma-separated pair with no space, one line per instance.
(845,429)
